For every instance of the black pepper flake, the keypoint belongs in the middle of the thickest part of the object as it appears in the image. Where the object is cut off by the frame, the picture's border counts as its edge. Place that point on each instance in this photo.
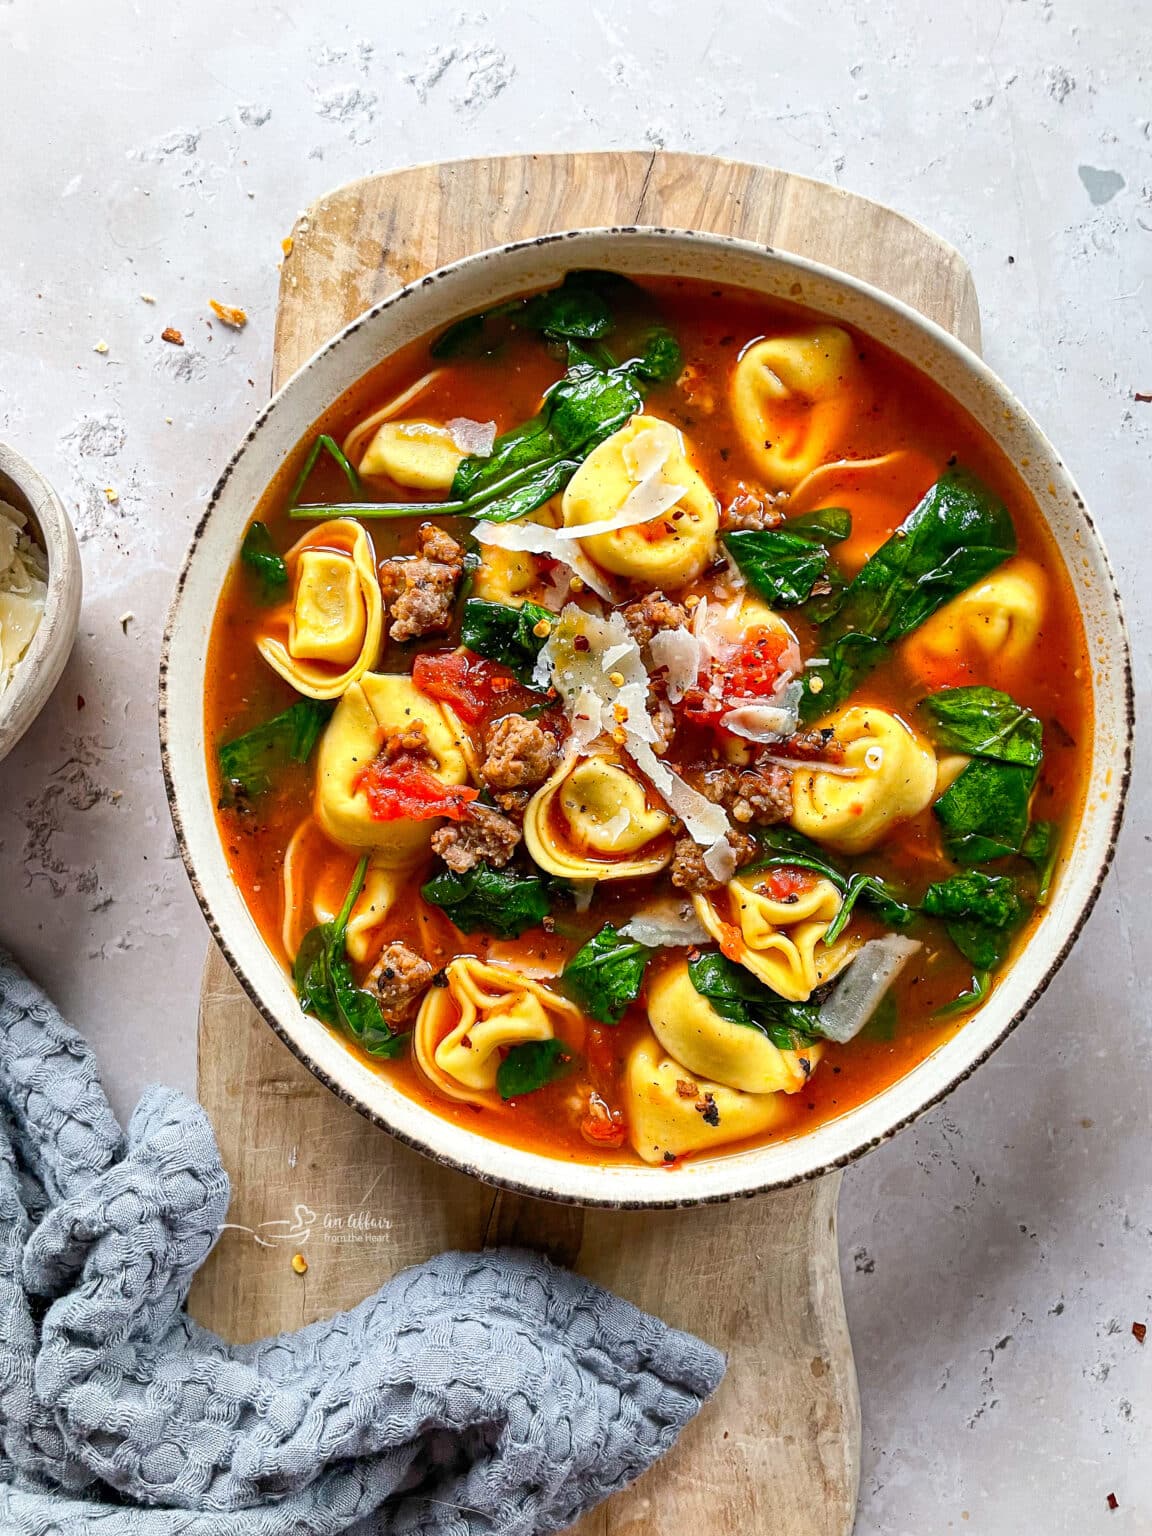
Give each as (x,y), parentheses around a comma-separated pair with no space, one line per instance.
(708,1110)
(440,979)
(669,1157)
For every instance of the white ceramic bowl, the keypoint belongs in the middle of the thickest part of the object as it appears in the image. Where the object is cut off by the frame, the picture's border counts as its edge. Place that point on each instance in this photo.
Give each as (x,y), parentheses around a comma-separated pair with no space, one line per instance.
(476,283)
(40,668)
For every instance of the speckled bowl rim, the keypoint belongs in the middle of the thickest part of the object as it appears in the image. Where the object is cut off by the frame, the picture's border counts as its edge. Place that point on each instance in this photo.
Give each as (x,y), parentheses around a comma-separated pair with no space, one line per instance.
(652,1187)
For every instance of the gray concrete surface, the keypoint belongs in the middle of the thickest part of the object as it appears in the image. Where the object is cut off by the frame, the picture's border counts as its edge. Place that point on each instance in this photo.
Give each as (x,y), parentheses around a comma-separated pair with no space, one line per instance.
(997,1255)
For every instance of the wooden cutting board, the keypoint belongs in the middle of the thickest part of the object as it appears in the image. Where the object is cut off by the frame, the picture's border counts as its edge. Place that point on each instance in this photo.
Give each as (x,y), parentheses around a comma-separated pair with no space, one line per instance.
(777,1452)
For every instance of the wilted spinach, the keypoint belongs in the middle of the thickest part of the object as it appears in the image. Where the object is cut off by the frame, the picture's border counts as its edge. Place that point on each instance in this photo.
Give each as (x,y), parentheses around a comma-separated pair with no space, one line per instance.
(980,913)
(323,444)
(532,1065)
(249,763)
(984,812)
(784,847)
(261,557)
(737,995)
(327,989)
(956,535)
(505,634)
(499,901)
(784,564)
(606,975)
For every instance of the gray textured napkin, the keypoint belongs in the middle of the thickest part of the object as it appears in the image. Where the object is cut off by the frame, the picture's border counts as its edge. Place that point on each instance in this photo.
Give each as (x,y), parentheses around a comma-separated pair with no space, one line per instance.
(478,1393)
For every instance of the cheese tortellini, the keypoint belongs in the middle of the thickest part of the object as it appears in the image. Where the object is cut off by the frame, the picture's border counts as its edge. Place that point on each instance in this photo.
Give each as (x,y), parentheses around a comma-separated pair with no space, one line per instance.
(793,400)
(891,776)
(337,615)
(709,1046)
(505,576)
(415,454)
(594,820)
(671,1112)
(646,458)
(998,621)
(481,1010)
(780,939)
(378,706)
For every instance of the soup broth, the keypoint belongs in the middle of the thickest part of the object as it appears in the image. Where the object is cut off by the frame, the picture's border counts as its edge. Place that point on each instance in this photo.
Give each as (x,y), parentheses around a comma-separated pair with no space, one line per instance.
(695,829)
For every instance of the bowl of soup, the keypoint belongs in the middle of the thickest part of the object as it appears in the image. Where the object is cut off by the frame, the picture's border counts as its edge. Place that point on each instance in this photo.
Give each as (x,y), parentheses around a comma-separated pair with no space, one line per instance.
(645,715)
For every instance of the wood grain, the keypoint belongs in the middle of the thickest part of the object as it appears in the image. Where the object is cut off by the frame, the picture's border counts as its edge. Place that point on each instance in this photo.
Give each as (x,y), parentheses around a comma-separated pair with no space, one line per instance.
(778,1449)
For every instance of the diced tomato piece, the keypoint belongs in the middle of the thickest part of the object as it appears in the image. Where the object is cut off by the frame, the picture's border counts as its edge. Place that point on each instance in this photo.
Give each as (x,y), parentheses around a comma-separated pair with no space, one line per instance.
(787,881)
(602,1126)
(402,791)
(751,671)
(457,678)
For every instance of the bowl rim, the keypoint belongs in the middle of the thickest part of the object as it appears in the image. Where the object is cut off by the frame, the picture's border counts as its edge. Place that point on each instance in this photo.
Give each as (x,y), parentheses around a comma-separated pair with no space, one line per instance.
(1112,819)
(39,669)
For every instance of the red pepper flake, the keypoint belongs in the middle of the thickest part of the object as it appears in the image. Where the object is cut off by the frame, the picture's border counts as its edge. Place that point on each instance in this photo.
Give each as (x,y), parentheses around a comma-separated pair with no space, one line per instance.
(1139,1332)
(1143,399)
(81,701)
(172,335)
(1113,1501)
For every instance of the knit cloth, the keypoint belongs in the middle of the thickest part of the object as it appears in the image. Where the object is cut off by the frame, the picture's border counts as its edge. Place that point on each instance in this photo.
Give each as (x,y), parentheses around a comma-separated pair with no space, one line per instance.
(477,1393)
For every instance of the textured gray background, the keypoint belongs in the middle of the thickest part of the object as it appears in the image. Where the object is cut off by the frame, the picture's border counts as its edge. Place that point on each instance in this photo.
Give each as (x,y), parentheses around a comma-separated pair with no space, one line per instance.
(995,1256)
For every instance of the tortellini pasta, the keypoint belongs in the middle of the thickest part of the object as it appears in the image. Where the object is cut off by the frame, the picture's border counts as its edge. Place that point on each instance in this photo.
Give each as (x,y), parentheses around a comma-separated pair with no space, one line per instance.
(793,400)
(594,820)
(378,706)
(464,1026)
(671,548)
(709,1046)
(780,939)
(337,614)
(415,454)
(671,1112)
(888,773)
(997,620)
(505,576)
(314,888)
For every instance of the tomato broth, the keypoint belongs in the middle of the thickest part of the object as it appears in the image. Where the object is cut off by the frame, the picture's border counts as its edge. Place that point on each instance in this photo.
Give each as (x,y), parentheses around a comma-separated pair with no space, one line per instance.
(745,412)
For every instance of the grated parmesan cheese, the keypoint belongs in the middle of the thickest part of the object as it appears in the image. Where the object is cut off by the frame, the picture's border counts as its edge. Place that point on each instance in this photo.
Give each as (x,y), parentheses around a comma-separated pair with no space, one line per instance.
(651,495)
(537,539)
(580,677)
(23,590)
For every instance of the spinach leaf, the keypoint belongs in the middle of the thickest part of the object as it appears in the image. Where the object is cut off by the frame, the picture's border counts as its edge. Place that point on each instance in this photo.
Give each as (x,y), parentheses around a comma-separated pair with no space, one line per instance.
(737,995)
(1041,847)
(606,974)
(980,913)
(530,1066)
(984,812)
(784,564)
(957,534)
(248,763)
(827,525)
(983,722)
(505,634)
(782,567)
(581,308)
(328,445)
(787,848)
(260,555)
(534,461)
(499,901)
(981,986)
(327,988)
(660,359)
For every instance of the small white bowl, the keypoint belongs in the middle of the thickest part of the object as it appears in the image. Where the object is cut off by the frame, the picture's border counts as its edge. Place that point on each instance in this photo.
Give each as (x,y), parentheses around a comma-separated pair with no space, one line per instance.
(39,670)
